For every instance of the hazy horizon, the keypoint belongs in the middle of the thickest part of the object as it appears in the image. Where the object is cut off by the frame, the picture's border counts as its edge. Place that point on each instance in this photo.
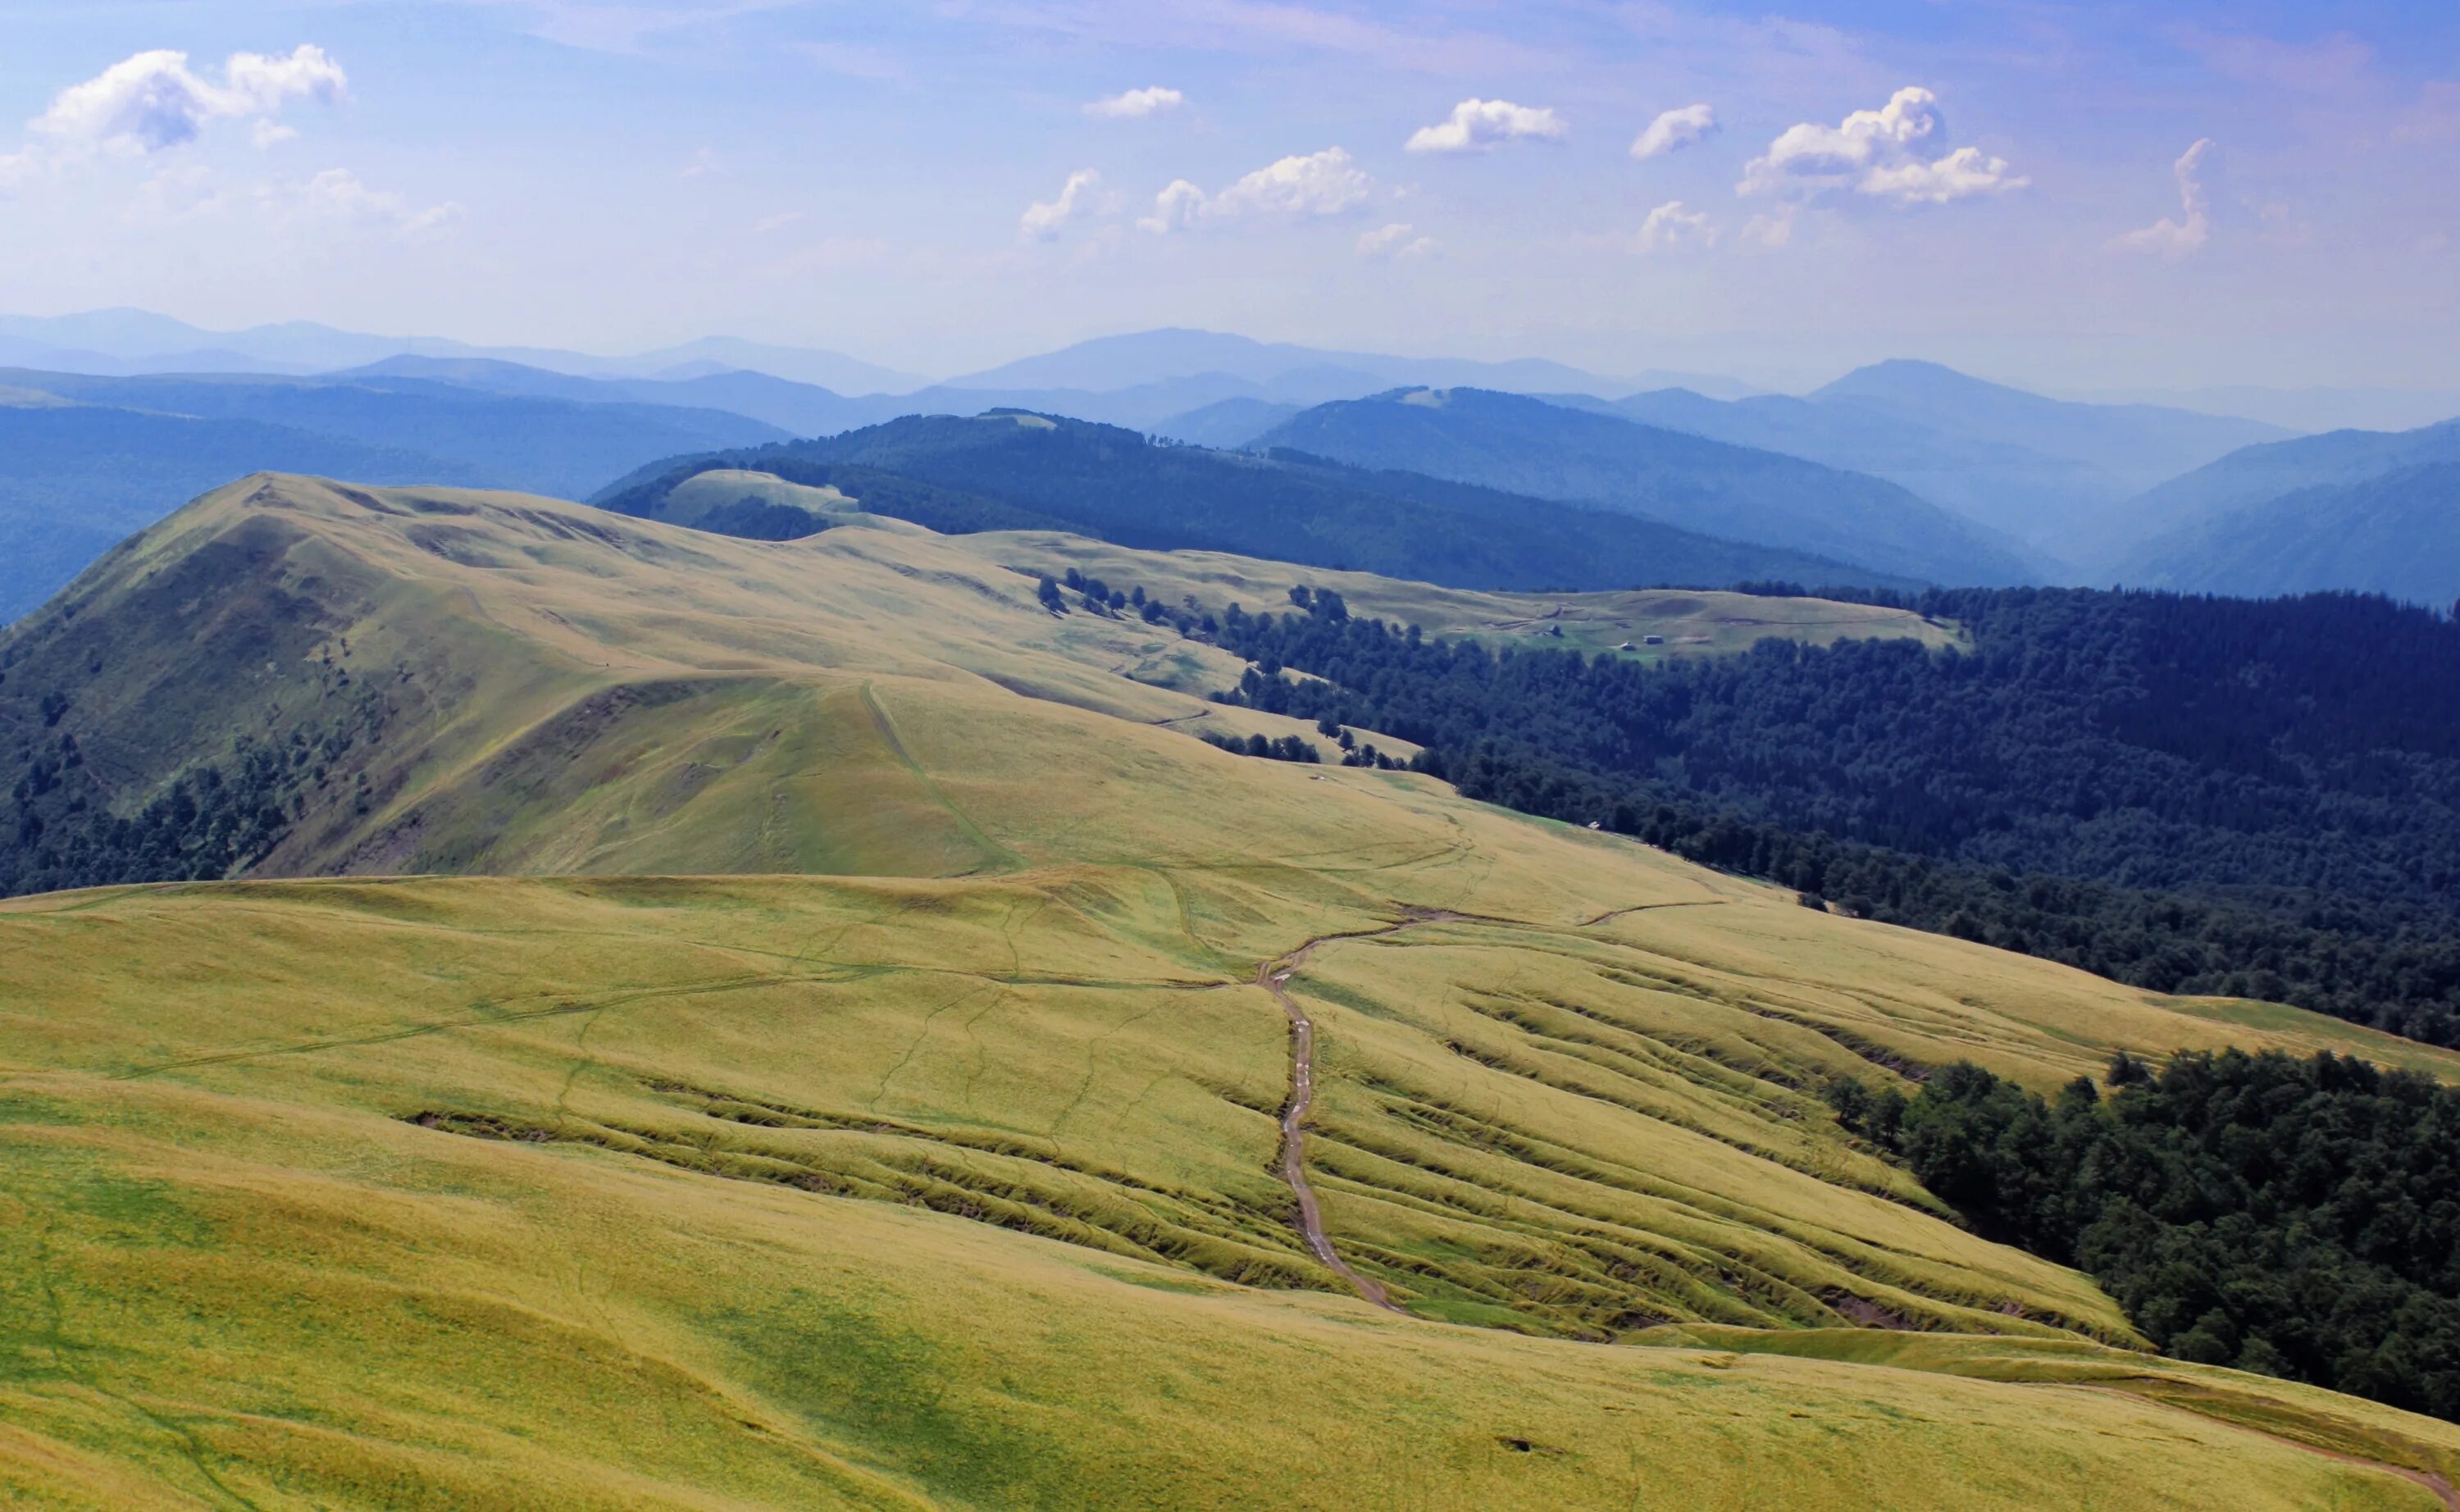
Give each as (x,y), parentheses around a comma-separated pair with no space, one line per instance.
(2056,197)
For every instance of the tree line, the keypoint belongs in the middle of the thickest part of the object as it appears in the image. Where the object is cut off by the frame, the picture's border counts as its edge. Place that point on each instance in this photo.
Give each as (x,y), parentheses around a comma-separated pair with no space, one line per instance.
(2189,795)
(2299,1218)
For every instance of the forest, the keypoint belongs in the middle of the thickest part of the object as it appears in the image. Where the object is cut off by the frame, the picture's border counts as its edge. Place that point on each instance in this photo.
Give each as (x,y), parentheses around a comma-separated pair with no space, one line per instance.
(2297,1218)
(2212,796)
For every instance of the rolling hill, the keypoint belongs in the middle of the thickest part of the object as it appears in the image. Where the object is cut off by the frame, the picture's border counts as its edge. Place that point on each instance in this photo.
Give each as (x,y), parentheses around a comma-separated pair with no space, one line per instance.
(1008,470)
(1551,450)
(89,459)
(74,480)
(857,1077)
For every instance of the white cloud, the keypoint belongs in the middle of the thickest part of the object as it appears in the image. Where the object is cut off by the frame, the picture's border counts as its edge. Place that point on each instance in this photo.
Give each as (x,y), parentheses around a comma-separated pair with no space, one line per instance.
(153,100)
(1394,242)
(337,195)
(1136,104)
(1674,129)
(1481,125)
(1176,208)
(1674,224)
(705,163)
(1319,183)
(1770,230)
(1959,176)
(1041,222)
(2173,239)
(1884,153)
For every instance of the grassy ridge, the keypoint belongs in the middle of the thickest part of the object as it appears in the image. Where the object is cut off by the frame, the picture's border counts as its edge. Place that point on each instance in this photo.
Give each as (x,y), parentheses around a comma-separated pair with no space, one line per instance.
(951,1183)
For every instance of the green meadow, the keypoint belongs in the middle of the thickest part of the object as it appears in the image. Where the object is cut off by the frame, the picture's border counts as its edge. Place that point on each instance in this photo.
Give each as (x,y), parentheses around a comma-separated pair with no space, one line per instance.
(778,1025)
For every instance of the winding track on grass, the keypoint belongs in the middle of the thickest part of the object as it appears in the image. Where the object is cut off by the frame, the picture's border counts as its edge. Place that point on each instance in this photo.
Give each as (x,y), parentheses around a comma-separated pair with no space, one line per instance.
(1273,976)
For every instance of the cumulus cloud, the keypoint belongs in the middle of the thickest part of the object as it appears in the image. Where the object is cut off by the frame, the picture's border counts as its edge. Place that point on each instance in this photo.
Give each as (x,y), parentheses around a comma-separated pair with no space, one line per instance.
(1481,125)
(1136,104)
(1319,183)
(1176,208)
(1391,243)
(337,195)
(1771,229)
(1042,222)
(1674,129)
(1674,224)
(1885,153)
(153,101)
(2172,240)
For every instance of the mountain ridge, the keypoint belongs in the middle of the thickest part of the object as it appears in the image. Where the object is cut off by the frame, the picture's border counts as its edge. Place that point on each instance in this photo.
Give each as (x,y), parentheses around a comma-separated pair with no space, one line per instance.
(1610,461)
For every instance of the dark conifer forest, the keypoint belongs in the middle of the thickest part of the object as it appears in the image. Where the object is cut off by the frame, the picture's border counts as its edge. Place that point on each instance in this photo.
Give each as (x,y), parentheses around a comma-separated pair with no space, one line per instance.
(2203,796)
(2293,1216)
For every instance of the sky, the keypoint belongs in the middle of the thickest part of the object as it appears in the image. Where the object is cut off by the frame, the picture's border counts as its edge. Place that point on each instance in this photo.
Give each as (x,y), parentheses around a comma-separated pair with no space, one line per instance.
(2104,196)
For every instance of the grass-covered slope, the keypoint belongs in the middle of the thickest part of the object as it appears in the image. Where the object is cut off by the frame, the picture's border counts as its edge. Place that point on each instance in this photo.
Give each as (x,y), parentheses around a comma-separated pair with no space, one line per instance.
(952,1182)
(75,478)
(1010,470)
(85,460)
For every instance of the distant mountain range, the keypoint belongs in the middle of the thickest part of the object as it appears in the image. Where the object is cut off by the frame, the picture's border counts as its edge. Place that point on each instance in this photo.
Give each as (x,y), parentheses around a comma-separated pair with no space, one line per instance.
(85,460)
(2029,467)
(1010,470)
(132,341)
(1902,469)
(1605,462)
(2354,509)
(1282,372)
(128,342)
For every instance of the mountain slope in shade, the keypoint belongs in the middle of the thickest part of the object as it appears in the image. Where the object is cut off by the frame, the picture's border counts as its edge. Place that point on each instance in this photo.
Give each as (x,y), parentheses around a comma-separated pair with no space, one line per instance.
(1529,446)
(1228,424)
(2138,444)
(2025,495)
(2395,533)
(1116,485)
(2258,474)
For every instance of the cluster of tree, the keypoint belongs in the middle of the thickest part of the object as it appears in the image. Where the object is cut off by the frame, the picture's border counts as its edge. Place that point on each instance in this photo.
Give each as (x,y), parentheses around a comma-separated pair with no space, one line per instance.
(1286,748)
(752,517)
(212,820)
(2299,1218)
(2189,795)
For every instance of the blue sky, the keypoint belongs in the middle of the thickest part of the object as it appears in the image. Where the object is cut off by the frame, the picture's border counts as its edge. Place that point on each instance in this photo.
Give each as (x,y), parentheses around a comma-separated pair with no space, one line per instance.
(1994,184)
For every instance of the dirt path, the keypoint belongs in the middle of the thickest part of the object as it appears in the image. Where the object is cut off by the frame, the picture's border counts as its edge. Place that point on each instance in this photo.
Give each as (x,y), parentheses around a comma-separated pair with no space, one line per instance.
(1612,915)
(1273,976)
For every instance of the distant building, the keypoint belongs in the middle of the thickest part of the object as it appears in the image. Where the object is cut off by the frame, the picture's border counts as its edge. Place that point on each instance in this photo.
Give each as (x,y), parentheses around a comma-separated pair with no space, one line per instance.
(1652,640)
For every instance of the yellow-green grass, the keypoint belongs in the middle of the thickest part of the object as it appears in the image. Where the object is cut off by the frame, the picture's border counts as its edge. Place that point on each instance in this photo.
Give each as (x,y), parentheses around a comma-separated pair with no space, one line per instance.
(688,501)
(1688,623)
(800,1193)
(949,1180)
